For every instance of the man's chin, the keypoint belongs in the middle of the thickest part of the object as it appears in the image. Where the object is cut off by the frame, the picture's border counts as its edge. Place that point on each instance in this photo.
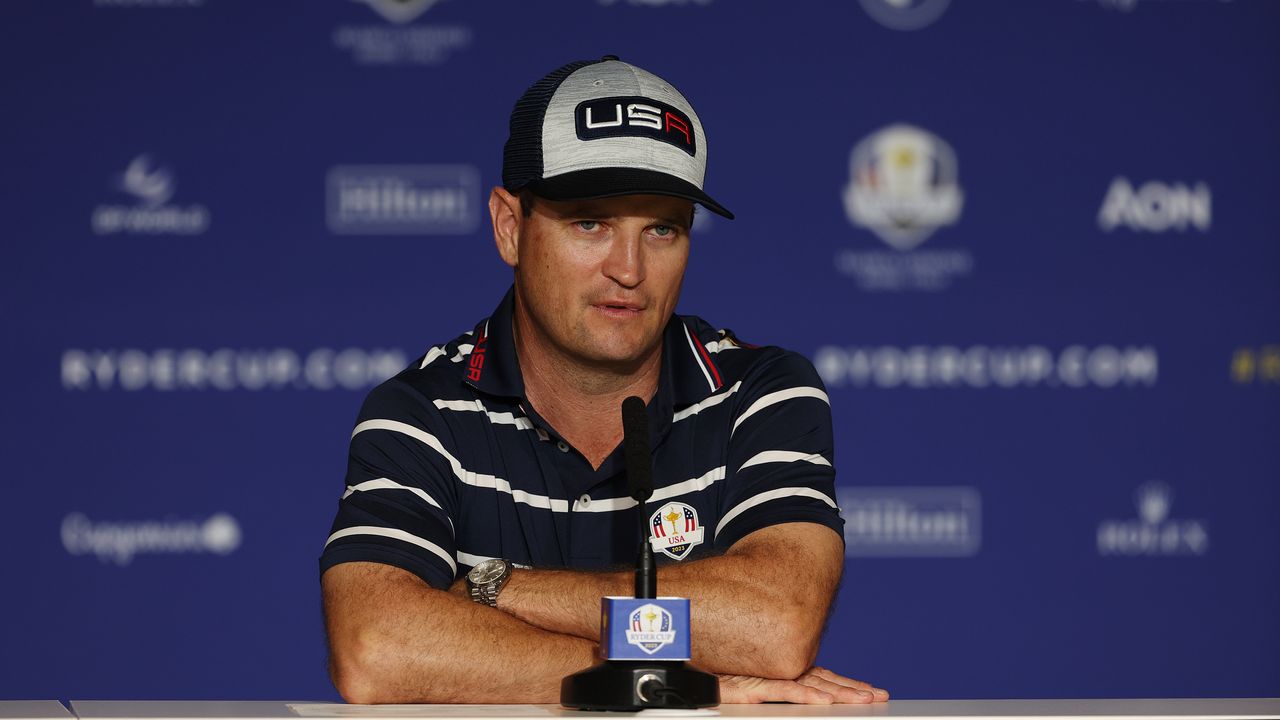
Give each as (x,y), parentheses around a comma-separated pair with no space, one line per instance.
(623,354)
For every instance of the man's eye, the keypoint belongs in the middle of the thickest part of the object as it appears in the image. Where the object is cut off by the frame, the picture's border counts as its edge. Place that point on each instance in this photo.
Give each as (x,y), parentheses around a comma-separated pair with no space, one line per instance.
(663,230)
(588,225)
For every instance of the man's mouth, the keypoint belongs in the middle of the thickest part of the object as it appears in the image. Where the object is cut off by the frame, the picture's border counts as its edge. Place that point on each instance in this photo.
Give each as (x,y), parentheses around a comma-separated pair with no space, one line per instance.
(618,307)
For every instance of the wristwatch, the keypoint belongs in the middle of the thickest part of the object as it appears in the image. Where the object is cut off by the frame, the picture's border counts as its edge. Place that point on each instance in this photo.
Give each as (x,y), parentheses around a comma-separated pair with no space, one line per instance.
(486,580)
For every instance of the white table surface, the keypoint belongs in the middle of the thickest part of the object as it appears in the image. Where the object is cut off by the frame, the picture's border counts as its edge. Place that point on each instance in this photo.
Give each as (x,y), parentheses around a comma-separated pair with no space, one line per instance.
(1180,709)
(32,709)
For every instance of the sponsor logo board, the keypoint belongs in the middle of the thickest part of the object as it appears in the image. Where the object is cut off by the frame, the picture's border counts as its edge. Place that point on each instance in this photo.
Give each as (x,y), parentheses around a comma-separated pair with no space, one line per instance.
(152,187)
(227,369)
(987,366)
(1259,365)
(911,521)
(1156,207)
(905,14)
(402,199)
(120,542)
(399,39)
(903,187)
(1153,532)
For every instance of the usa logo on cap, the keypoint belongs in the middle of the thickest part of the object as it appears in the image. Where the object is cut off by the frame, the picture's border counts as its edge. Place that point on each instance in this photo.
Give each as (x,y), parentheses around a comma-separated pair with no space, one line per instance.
(604,128)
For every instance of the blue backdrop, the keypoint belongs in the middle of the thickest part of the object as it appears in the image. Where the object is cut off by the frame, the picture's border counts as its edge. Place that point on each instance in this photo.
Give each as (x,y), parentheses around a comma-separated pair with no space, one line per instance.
(1030,246)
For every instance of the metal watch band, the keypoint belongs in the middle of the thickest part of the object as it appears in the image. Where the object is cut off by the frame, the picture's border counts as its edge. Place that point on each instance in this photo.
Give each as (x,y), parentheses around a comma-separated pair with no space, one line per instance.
(487,592)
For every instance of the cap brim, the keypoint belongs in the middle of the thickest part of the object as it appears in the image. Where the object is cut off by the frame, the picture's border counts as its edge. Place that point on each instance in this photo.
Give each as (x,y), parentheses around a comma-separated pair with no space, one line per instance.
(612,182)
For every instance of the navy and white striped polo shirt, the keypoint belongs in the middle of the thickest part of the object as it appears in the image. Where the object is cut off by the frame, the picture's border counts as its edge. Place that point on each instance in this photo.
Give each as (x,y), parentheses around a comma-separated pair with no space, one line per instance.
(450,465)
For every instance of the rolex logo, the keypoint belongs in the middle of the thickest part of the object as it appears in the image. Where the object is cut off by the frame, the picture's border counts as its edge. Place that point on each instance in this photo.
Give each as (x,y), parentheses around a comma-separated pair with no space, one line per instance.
(1154,500)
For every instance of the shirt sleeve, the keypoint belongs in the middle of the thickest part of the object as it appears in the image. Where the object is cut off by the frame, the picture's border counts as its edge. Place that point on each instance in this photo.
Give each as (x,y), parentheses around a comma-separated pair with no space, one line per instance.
(779,467)
(400,499)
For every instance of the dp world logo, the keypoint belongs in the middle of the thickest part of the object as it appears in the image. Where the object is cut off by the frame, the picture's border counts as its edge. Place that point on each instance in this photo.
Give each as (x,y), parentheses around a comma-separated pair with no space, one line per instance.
(902,185)
(152,187)
(650,628)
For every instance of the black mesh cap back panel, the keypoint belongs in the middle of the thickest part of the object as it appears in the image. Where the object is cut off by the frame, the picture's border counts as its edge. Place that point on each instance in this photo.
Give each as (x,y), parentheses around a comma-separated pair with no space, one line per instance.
(522,155)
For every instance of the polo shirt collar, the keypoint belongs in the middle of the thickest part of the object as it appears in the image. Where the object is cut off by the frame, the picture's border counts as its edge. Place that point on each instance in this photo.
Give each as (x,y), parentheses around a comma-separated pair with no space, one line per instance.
(499,369)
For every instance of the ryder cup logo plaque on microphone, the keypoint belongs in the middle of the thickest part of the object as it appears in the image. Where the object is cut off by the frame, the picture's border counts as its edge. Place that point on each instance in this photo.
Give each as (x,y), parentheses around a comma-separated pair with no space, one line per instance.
(650,628)
(645,628)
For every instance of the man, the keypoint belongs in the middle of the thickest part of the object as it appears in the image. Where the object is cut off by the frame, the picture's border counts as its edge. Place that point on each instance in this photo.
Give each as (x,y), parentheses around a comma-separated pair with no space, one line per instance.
(499,454)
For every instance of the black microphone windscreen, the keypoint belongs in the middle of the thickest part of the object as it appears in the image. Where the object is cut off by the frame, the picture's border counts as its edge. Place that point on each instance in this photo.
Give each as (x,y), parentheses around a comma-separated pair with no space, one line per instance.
(635,448)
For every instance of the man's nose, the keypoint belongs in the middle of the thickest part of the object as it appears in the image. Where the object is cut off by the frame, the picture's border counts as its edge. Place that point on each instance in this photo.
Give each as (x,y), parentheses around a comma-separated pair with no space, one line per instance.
(625,261)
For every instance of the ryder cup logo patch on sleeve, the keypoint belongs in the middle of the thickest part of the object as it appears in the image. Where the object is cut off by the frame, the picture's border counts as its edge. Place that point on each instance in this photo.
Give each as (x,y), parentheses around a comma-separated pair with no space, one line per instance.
(674,529)
(650,628)
(635,116)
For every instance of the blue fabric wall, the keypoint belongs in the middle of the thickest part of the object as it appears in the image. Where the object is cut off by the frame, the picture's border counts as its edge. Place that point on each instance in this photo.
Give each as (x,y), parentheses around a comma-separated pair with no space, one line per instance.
(1030,246)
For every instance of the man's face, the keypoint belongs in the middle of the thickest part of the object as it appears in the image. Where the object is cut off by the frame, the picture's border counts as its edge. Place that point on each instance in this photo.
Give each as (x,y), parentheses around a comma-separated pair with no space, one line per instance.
(598,279)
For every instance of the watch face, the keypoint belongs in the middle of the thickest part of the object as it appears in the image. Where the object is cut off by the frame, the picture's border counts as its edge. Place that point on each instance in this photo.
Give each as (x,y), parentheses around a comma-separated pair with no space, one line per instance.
(487,572)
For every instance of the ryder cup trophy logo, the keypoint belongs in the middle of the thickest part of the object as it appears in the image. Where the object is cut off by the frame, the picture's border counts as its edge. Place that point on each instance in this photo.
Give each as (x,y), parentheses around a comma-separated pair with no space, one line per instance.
(674,529)
(400,12)
(650,628)
(902,185)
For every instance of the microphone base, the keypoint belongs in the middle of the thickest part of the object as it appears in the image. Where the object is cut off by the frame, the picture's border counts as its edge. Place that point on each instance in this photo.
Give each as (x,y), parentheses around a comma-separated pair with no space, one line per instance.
(631,686)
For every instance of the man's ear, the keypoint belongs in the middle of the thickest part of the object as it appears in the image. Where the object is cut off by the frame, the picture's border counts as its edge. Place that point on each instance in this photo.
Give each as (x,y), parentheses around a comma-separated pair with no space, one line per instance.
(504,211)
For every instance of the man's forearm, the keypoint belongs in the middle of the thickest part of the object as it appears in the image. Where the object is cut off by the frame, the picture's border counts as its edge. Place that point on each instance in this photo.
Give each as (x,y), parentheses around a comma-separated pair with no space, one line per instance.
(759,580)
(393,639)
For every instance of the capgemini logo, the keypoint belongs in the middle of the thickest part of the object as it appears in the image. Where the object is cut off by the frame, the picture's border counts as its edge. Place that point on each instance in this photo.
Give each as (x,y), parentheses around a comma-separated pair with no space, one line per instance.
(121,542)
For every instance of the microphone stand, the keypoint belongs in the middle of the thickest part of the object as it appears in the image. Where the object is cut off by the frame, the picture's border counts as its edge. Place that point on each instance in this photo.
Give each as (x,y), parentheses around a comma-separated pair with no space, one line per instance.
(631,685)
(646,566)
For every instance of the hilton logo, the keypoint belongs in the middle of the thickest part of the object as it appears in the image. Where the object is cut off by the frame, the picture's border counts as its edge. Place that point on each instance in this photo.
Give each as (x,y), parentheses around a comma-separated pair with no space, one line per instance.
(403,199)
(911,521)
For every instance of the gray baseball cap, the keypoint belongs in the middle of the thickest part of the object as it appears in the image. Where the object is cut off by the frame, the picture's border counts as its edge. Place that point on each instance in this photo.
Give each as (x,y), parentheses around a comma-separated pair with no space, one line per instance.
(603,128)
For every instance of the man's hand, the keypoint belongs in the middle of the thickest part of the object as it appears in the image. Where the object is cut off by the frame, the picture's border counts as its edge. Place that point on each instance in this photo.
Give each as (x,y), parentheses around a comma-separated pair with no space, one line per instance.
(816,686)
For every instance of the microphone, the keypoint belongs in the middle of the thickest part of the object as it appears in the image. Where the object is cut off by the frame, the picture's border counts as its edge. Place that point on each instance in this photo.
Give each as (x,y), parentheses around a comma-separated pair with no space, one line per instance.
(635,451)
(645,639)
(635,448)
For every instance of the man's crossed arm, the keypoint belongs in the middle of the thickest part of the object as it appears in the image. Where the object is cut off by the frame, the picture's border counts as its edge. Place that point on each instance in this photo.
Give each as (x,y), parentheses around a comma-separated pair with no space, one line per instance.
(393,638)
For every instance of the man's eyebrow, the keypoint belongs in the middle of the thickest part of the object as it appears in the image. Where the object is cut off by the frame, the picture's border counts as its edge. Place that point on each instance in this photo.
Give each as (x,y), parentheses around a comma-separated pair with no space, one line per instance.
(576,209)
(672,220)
